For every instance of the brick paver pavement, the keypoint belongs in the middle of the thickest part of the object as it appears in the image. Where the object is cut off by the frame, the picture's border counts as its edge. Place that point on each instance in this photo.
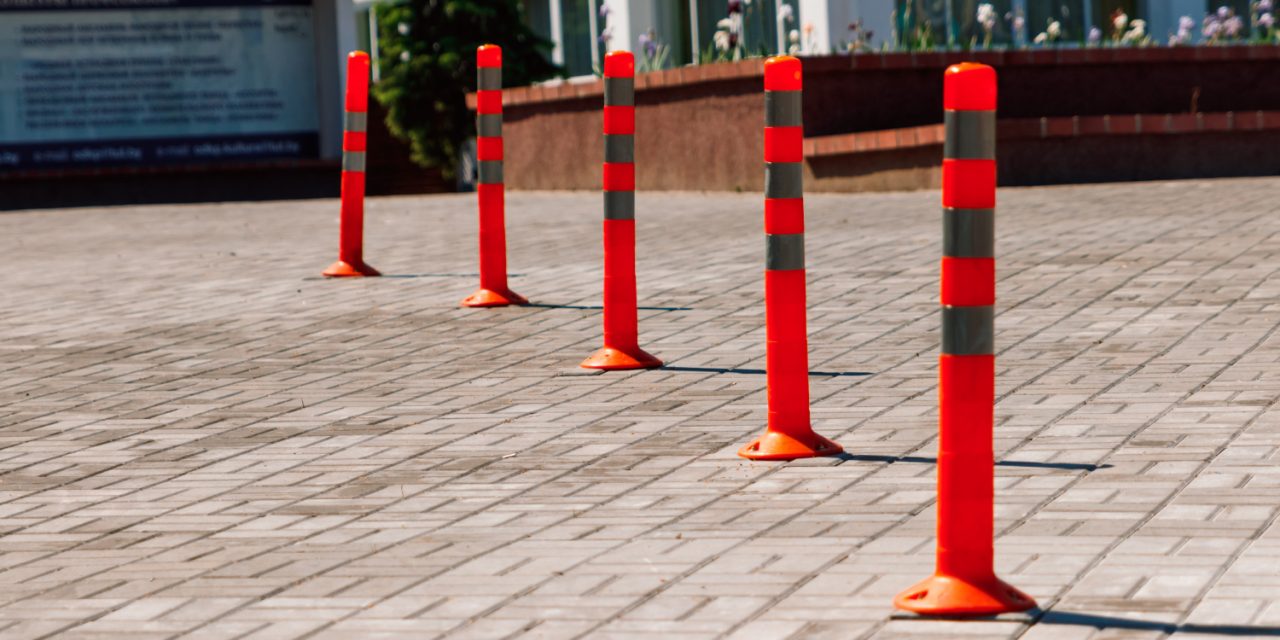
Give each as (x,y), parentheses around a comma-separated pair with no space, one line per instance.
(200,439)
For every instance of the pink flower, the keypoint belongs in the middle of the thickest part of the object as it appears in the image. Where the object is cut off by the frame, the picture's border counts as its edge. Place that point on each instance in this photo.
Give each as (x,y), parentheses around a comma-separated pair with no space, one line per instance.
(1234,25)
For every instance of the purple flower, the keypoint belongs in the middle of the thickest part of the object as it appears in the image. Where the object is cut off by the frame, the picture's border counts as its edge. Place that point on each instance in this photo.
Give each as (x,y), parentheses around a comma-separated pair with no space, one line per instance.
(1234,25)
(1266,20)
(1264,6)
(1223,12)
(1211,29)
(604,10)
(1185,23)
(1095,34)
(649,43)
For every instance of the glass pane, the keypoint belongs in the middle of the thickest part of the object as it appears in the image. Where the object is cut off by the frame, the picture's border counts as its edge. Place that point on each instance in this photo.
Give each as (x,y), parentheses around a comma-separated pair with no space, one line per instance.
(578,38)
(1069,14)
(759,23)
(1104,10)
(919,20)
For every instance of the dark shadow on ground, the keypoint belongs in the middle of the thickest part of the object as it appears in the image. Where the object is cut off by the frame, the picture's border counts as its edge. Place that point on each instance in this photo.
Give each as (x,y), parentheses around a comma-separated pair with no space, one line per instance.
(1071,466)
(1108,622)
(830,374)
(597,308)
(421,275)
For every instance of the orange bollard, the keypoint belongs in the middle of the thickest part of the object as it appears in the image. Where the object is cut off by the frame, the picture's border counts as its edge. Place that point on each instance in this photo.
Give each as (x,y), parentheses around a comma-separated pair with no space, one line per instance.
(493,290)
(351,225)
(621,324)
(964,582)
(789,434)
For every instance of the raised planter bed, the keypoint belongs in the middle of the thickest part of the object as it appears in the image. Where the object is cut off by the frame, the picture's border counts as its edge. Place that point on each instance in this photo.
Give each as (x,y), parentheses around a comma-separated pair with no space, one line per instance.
(700,128)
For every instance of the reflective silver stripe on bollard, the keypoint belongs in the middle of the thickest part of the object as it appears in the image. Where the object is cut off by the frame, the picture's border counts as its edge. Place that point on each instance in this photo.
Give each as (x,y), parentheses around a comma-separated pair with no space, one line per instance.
(490,171)
(783,180)
(619,92)
(619,205)
(489,79)
(784,252)
(489,125)
(353,161)
(968,331)
(968,233)
(970,135)
(619,148)
(356,122)
(782,109)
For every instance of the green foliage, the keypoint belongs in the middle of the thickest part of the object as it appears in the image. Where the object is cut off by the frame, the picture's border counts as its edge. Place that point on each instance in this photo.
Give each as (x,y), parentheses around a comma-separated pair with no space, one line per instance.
(427,52)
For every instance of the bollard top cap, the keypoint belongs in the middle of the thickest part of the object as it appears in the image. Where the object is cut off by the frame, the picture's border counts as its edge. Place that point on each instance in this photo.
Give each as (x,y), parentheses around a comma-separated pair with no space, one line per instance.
(782,73)
(357,55)
(969,86)
(489,55)
(619,64)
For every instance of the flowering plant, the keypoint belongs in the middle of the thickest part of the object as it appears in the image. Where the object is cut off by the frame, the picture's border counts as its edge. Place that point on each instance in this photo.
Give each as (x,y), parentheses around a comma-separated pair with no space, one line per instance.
(653,53)
(1051,34)
(1222,26)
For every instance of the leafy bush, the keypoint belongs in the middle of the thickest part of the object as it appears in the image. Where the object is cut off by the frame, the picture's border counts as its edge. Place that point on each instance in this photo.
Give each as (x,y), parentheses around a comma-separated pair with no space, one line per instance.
(427,61)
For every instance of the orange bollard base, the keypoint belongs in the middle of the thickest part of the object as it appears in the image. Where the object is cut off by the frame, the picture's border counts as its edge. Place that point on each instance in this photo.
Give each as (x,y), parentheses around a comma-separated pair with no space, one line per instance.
(344,269)
(942,595)
(610,359)
(491,298)
(776,445)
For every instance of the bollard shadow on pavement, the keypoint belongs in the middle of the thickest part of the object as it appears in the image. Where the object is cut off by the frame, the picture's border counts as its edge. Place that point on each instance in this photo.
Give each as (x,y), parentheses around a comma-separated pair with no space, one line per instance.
(759,372)
(417,275)
(1168,628)
(1070,466)
(600,307)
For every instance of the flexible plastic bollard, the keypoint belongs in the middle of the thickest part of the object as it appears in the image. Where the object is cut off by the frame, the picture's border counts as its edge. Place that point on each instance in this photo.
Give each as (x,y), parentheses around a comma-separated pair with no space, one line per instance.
(789,434)
(490,194)
(964,582)
(351,224)
(621,323)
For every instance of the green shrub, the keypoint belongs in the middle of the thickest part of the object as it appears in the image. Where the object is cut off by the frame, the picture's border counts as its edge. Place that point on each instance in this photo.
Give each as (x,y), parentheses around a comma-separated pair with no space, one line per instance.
(427,61)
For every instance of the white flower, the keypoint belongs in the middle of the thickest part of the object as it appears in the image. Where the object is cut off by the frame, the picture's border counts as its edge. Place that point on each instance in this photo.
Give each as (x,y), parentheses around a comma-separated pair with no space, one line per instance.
(1223,12)
(1120,22)
(1041,38)
(794,36)
(721,38)
(1185,23)
(403,28)
(1266,20)
(987,16)
(1095,34)
(1137,31)
(404,56)
(786,13)
(1055,29)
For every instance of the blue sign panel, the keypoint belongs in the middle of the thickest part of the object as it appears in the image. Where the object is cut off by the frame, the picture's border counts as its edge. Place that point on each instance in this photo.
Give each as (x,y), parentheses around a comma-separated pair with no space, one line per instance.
(92,83)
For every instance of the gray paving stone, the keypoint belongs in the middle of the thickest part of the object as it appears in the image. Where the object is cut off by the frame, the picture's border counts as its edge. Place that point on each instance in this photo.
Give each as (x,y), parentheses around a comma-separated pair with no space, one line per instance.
(201,439)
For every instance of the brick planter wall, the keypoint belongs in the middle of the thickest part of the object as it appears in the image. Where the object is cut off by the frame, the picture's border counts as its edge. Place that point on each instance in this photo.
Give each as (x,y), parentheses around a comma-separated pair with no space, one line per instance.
(699,128)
